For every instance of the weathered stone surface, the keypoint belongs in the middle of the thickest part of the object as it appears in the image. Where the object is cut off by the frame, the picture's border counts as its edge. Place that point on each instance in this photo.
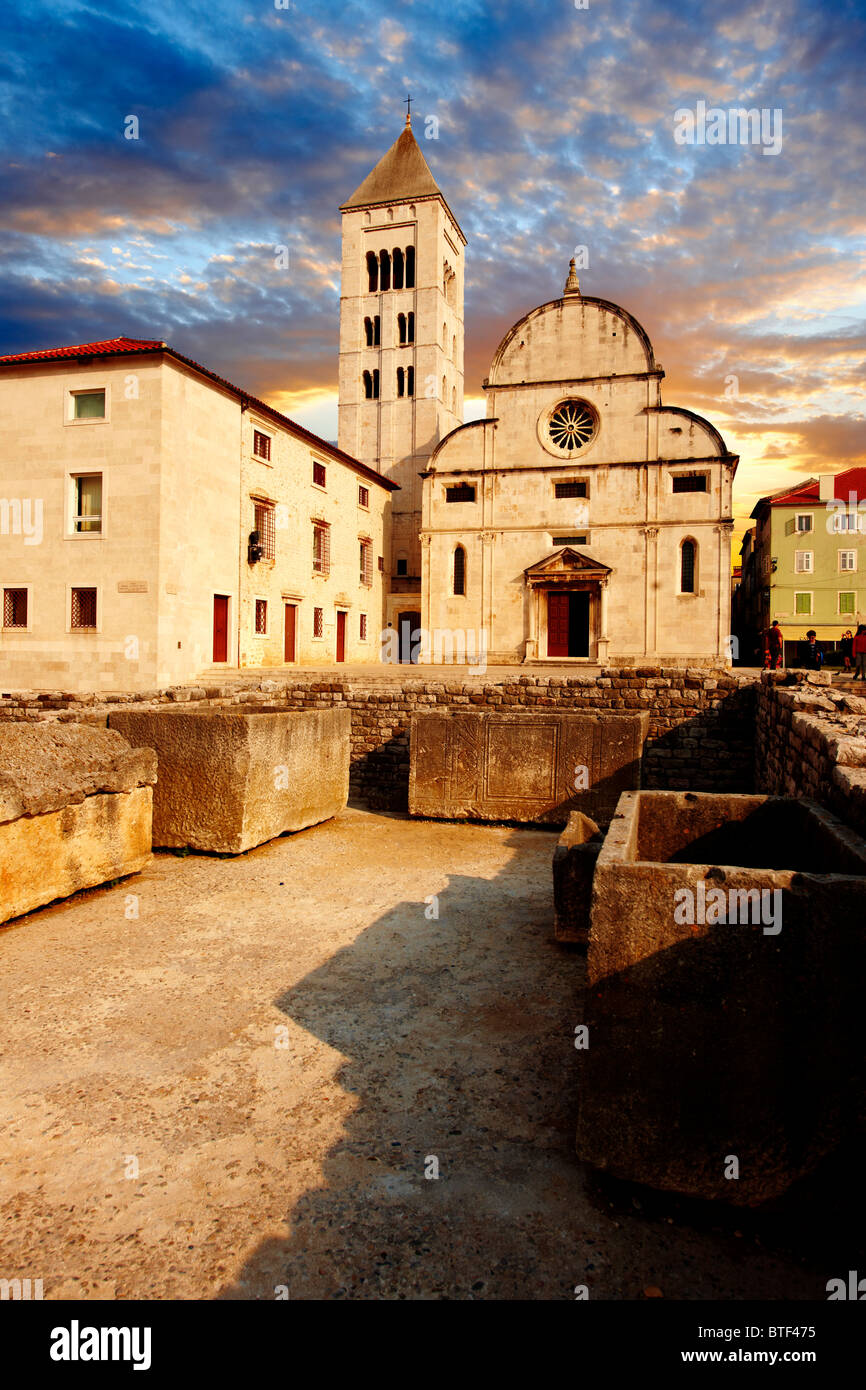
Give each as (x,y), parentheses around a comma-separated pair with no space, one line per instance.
(573,867)
(44,767)
(75,811)
(100,838)
(721,1040)
(523,767)
(229,780)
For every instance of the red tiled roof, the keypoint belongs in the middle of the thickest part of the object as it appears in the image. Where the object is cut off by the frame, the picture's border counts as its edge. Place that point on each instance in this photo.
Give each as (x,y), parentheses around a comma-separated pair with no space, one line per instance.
(122,347)
(852,480)
(109,347)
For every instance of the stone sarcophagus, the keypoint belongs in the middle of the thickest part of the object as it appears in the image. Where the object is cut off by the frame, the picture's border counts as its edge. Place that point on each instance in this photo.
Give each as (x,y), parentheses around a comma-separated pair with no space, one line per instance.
(229,780)
(75,811)
(523,767)
(724,971)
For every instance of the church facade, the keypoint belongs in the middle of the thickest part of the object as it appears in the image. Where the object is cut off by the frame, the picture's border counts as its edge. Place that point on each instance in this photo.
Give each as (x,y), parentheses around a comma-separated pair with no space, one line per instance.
(581,521)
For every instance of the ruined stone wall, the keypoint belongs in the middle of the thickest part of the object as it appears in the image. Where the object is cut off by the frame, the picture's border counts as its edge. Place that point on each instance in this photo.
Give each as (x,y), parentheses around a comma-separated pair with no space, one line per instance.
(810,740)
(701,723)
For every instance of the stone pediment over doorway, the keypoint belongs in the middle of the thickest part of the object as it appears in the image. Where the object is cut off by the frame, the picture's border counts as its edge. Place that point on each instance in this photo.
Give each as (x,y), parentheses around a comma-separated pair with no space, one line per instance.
(564,567)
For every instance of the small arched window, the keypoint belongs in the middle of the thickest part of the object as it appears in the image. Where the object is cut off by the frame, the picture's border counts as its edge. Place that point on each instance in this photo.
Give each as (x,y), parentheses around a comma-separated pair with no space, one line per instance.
(376,384)
(444,389)
(377,328)
(373,271)
(398,268)
(410,336)
(368,386)
(454,348)
(400,375)
(410,381)
(384,271)
(410,267)
(454,400)
(401,328)
(368,331)
(688,567)
(444,337)
(460,570)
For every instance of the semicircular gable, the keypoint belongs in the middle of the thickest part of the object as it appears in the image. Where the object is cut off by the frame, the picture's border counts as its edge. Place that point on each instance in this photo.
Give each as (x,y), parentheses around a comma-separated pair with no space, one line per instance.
(570,338)
(687,435)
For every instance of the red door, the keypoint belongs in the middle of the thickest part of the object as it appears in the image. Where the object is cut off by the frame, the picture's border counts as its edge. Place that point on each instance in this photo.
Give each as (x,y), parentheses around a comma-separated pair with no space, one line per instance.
(220,628)
(341,636)
(289,650)
(557,624)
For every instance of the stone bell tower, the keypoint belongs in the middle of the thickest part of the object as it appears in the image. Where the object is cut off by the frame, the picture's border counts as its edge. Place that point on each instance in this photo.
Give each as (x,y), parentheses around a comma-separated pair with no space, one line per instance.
(401,340)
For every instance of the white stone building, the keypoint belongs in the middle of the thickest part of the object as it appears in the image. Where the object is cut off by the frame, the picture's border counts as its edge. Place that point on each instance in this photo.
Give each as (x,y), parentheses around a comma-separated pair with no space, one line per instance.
(157,522)
(583,520)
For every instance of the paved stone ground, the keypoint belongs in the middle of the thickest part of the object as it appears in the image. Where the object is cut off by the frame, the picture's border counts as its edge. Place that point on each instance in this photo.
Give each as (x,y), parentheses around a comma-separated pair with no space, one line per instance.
(154,1040)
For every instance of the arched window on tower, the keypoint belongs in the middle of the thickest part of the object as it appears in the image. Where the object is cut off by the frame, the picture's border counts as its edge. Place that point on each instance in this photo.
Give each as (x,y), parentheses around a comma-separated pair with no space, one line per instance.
(376,384)
(410,335)
(444,337)
(444,389)
(400,381)
(410,267)
(688,567)
(454,400)
(368,386)
(410,381)
(454,348)
(373,271)
(459,570)
(398,268)
(368,331)
(401,328)
(384,270)
(377,330)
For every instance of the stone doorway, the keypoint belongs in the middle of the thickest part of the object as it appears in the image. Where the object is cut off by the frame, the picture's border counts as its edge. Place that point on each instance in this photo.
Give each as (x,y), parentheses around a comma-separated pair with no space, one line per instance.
(568,613)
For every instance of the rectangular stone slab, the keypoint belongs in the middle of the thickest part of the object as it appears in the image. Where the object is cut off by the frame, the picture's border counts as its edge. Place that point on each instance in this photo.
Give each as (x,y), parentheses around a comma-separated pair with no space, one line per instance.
(53,855)
(523,767)
(718,1040)
(229,780)
(574,858)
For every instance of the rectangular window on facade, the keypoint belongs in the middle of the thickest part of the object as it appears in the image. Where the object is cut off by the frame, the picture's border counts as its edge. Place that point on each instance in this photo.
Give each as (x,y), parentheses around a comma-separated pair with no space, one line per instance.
(803,604)
(83,608)
(402,567)
(847,559)
(318,622)
(847,602)
(570,489)
(14,607)
(261,617)
(844,521)
(319,474)
(460,492)
(363,497)
(366,563)
(381,564)
(88,405)
(87,503)
(321,547)
(690,482)
(264,524)
(261,445)
(571,540)
(363,630)
(803,561)
(804,521)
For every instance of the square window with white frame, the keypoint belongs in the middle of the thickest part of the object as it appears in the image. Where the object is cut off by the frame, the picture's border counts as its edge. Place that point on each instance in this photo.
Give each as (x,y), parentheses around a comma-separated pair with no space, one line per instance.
(805,521)
(88,404)
(803,561)
(848,603)
(803,605)
(847,561)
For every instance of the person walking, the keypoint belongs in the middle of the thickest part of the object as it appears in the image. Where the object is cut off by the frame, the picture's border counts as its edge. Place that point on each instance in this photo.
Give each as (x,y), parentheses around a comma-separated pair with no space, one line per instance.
(860,652)
(775,646)
(847,647)
(812,656)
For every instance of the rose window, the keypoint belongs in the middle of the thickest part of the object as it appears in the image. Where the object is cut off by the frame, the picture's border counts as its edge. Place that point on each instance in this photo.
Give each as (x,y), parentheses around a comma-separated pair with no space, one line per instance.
(571,426)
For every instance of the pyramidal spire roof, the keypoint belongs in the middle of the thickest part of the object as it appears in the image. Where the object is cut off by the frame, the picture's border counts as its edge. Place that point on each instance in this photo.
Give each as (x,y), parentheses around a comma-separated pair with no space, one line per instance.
(401,175)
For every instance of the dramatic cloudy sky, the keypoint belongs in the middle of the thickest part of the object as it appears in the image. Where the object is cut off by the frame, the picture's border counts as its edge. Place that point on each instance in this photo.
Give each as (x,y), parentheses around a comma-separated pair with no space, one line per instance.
(555,130)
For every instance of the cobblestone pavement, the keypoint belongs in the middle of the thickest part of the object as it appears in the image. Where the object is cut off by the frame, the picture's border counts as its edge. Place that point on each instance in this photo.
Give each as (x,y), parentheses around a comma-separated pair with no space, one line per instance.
(229,1077)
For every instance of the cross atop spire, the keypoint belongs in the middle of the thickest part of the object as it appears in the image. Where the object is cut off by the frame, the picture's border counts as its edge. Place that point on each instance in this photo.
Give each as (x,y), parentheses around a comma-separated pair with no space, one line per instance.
(408,110)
